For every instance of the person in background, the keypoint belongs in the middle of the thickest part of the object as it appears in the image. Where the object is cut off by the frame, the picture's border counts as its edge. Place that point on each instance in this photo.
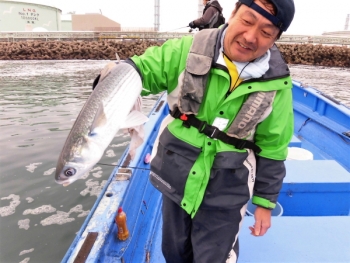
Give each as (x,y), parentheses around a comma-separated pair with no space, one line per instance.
(212,16)
(226,137)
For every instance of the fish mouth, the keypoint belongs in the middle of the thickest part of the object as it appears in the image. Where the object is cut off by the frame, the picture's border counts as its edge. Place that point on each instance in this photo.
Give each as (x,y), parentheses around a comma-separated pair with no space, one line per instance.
(64,183)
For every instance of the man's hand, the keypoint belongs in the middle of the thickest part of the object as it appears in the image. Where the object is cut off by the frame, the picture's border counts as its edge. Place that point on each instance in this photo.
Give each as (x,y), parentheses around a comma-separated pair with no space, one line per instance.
(262,221)
(191,25)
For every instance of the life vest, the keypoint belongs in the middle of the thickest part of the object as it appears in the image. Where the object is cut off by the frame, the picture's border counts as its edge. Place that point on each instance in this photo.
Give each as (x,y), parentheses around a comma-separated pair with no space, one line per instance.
(198,65)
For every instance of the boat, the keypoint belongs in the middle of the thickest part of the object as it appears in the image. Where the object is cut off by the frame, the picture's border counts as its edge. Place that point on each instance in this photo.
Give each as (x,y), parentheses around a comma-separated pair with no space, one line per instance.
(312,221)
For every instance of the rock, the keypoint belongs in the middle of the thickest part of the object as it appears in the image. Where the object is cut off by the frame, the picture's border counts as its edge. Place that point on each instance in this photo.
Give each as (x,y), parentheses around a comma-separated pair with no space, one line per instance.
(306,54)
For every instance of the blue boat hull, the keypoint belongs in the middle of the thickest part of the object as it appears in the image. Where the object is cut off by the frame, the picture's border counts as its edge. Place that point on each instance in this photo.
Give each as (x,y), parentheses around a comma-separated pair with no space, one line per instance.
(314,227)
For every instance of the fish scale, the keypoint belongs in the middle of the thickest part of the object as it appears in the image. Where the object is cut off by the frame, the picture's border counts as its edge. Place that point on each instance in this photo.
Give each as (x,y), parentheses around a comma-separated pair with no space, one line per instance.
(95,128)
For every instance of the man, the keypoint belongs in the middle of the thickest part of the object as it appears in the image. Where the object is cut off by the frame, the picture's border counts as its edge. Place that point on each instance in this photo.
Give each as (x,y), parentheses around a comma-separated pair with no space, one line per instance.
(226,139)
(212,16)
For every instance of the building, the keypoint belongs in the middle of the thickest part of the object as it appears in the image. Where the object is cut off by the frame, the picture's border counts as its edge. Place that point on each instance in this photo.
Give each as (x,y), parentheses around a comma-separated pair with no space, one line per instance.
(32,16)
(93,22)
(25,16)
(88,22)
(66,22)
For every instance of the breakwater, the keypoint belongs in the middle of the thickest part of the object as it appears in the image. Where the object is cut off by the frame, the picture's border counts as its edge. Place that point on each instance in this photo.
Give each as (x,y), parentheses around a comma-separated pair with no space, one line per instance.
(306,54)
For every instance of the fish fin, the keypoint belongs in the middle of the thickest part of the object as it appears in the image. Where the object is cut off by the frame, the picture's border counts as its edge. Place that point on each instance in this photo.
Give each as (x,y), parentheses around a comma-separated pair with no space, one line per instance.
(135,118)
(99,121)
(106,70)
(134,125)
(137,135)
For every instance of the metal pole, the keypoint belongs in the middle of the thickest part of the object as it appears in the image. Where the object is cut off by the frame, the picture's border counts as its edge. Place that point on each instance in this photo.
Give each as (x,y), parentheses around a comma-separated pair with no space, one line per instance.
(347,22)
(200,8)
(156,15)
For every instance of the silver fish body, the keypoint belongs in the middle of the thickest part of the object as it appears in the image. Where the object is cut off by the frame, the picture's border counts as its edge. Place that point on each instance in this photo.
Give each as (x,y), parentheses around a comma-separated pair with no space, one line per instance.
(106,111)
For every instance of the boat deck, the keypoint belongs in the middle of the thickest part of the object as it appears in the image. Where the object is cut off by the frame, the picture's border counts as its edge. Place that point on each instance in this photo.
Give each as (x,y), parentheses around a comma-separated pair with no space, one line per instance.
(291,239)
(298,239)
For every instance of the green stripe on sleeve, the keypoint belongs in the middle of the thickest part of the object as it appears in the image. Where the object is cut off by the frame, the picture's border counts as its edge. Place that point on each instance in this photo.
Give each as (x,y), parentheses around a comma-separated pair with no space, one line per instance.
(263,202)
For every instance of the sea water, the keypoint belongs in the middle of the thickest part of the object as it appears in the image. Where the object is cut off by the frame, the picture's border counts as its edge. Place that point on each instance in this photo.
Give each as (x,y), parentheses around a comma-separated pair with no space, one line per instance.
(39,101)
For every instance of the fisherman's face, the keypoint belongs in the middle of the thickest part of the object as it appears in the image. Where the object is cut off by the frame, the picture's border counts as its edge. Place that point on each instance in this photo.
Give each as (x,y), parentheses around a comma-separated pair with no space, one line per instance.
(249,35)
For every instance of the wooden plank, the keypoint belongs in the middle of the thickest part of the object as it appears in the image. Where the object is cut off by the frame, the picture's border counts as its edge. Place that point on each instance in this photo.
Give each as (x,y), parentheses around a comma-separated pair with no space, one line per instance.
(86,247)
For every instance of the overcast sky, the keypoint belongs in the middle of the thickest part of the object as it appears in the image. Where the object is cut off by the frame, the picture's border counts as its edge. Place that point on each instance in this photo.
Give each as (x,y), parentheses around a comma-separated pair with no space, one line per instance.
(312,17)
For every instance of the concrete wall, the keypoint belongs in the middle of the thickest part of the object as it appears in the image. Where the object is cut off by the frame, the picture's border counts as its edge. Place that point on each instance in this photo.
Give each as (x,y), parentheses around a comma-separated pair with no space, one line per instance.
(22,16)
(93,22)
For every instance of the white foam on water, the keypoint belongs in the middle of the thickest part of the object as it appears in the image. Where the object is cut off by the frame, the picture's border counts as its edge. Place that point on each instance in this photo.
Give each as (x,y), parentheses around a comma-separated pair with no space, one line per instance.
(98,174)
(29,199)
(93,187)
(50,171)
(84,176)
(26,260)
(31,167)
(24,224)
(110,153)
(10,209)
(76,209)
(119,134)
(61,217)
(97,168)
(120,144)
(47,209)
(84,213)
(26,251)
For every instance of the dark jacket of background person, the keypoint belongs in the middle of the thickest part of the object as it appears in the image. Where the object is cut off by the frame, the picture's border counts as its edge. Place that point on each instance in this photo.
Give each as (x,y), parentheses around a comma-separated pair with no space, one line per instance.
(211,18)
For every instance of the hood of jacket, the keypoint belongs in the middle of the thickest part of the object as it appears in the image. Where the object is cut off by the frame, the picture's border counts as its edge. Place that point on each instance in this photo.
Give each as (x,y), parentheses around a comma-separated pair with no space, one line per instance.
(215,4)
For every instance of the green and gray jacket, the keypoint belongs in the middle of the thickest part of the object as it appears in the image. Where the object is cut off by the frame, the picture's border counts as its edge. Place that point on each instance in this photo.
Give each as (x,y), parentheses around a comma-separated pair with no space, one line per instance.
(197,171)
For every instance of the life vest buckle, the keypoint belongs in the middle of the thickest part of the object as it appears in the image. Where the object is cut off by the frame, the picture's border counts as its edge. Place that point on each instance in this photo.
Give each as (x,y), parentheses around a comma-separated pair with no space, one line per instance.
(183,117)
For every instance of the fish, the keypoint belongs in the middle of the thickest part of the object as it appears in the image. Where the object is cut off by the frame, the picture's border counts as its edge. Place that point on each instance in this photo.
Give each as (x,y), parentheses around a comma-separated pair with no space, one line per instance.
(113,105)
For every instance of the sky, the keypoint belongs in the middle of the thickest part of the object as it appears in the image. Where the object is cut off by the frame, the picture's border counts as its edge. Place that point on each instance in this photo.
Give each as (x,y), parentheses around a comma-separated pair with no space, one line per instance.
(312,17)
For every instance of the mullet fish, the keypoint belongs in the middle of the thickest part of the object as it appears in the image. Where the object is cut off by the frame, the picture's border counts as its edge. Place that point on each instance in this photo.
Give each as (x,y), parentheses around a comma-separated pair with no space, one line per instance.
(114,104)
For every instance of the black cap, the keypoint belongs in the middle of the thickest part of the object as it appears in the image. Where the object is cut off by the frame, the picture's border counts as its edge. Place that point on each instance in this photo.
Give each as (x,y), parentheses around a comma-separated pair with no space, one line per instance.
(284,15)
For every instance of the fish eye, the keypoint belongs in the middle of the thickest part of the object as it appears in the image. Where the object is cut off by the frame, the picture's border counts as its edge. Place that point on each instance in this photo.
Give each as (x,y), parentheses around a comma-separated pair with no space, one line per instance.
(70,172)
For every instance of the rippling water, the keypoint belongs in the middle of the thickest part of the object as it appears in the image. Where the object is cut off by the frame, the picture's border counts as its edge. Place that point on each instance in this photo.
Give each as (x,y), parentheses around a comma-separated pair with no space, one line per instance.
(331,81)
(39,100)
